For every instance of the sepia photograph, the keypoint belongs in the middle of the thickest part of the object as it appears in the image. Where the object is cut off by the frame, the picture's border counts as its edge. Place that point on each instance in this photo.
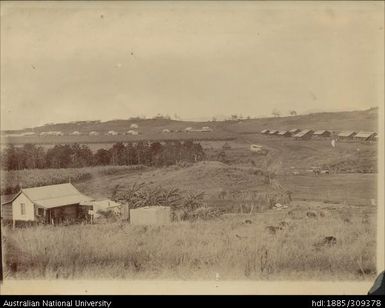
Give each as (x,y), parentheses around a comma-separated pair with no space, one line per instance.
(192,147)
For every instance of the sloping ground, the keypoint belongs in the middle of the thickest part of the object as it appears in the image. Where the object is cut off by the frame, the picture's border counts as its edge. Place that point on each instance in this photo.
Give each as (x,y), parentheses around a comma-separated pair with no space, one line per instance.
(300,155)
(210,177)
(354,120)
(214,177)
(349,189)
(151,128)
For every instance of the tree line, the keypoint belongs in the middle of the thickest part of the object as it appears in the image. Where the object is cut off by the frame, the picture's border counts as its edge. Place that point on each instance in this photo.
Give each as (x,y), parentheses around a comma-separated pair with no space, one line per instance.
(30,156)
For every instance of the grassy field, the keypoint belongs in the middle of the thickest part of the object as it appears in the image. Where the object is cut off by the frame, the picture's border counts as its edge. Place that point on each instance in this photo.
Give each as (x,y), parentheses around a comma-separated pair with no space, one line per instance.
(227,248)
(357,189)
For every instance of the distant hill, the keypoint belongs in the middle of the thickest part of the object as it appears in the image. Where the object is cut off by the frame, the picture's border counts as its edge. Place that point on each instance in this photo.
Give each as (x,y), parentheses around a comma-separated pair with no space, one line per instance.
(152,128)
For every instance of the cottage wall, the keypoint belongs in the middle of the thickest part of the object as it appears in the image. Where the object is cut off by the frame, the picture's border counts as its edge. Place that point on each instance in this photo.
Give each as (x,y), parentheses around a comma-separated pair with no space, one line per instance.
(6,211)
(17,205)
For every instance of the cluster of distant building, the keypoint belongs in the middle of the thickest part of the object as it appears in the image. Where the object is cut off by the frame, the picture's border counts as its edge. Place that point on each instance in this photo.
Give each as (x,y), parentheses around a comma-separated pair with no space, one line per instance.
(204,129)
(134,130)
(306,134)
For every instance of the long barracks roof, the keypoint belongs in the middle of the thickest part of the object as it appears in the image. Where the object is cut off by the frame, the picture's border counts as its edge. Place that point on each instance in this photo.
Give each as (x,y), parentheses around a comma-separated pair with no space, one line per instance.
(320,132)
(294,130)
(346,133)
(55,195)
(365,134)
(283,132)
(304,132)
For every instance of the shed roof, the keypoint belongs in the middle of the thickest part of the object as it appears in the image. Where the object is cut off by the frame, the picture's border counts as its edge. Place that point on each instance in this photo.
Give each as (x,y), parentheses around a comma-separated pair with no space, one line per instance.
(282,132)
(294,130)
(320,132)
(55,195)
(226,146)
(346,133)
(303,133)
(265,131)
(272,132)
(365,134)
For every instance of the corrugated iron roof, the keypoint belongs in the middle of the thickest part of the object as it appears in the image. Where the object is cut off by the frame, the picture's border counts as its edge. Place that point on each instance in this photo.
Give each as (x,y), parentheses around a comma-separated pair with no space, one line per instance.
(303,133)
(55,195)
(282,132)
(294,130)
(320,132)
(364,134)
(62,201)
(346,133)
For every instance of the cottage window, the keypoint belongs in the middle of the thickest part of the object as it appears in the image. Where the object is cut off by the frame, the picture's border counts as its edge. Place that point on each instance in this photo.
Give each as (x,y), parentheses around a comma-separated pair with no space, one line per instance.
(22,208)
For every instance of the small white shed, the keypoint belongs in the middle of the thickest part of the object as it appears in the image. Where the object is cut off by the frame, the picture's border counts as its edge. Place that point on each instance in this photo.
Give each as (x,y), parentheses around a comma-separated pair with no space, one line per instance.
(151,215)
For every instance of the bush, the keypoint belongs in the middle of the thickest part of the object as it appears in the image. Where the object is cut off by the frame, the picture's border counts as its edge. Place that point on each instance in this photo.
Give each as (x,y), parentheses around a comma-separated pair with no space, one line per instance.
(183,204)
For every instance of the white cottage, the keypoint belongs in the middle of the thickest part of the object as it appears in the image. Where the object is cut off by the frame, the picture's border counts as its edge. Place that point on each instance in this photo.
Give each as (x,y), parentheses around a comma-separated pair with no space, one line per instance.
(46,204)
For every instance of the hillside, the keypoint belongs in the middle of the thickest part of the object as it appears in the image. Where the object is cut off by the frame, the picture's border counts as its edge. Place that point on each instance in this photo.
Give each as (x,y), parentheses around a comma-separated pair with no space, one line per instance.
(151,129)
(353,120)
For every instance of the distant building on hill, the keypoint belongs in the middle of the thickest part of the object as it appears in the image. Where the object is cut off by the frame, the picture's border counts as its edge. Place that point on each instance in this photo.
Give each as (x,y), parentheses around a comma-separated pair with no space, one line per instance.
(365,136)
(322,133)
(28,134)
(226,146)
(284,133)
(206,129)
(304,134)
(52,133)
(264,131)
(294,131)
(346,135)
(273,132)
(133,132)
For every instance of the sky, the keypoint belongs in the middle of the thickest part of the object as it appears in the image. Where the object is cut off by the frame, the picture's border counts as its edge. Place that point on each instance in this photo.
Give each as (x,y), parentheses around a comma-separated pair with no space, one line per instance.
(72,61)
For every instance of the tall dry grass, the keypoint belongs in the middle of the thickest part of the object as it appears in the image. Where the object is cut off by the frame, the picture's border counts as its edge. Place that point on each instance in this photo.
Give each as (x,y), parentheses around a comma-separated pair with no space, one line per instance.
(234,246)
